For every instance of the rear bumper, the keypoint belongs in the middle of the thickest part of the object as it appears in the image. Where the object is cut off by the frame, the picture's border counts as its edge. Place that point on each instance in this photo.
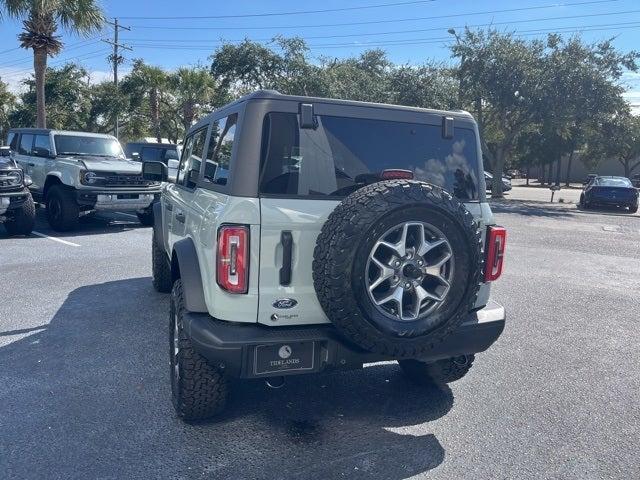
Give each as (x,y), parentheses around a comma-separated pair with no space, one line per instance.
(232,346)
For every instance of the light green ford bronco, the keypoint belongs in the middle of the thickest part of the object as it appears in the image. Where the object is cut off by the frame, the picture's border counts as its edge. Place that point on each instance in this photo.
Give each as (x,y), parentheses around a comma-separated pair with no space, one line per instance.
(307,235)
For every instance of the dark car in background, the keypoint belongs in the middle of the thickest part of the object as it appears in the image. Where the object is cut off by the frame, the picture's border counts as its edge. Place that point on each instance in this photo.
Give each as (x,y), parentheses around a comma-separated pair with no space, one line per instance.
(167,153)
(610,192)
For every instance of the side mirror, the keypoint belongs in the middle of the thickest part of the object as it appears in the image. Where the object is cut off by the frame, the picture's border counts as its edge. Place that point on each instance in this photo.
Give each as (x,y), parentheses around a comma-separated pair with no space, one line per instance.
(173,164)
(154,171)
(135,156)
(5,151)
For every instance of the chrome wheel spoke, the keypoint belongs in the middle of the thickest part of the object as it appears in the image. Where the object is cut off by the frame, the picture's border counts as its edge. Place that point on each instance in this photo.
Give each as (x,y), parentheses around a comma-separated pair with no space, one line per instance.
(386,272)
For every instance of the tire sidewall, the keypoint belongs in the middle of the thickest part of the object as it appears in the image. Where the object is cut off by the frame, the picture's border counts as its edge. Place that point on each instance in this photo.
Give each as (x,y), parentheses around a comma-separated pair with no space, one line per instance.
(459,283)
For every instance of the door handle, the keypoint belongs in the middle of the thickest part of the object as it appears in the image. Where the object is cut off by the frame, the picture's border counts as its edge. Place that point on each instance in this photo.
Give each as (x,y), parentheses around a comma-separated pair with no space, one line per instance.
(287,252)
(32,164)
(180,216)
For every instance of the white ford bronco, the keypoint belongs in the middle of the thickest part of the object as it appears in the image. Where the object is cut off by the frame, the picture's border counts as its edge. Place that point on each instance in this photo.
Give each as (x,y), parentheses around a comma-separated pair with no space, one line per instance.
(307,235)
(74,173)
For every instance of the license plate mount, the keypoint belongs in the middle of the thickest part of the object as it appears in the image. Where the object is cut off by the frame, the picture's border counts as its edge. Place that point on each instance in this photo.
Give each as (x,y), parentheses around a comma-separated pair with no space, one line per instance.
(283,357)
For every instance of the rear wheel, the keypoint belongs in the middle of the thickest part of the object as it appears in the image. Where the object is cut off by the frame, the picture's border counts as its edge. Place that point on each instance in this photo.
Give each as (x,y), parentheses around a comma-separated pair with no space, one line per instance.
(198,390)
(633,208)
(62,210)
(438,373)
(22,219)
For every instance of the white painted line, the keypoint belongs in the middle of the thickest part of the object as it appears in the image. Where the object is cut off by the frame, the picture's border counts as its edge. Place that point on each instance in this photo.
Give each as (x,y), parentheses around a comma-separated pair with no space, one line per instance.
(127,215)
(55,239)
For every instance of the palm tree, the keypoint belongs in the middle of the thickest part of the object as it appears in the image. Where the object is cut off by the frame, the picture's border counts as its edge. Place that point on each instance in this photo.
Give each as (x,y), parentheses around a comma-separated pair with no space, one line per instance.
(147,81)
(194,89)
(41,19)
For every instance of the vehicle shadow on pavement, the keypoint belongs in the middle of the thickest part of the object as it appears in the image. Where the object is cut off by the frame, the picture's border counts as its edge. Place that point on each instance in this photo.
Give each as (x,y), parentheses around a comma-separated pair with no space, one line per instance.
(88,396)
(529,208)
(96,223)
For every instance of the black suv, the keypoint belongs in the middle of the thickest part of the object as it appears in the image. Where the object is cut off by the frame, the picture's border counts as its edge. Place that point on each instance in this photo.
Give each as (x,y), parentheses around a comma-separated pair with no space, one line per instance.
(17,210)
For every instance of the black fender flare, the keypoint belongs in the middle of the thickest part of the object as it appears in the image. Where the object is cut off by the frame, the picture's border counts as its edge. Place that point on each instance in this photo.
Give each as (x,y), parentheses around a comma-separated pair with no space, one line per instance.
(158,225)
(185,252)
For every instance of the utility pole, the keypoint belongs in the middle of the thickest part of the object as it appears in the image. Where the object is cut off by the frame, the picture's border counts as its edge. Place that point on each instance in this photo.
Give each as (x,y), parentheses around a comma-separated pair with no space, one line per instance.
(115,58)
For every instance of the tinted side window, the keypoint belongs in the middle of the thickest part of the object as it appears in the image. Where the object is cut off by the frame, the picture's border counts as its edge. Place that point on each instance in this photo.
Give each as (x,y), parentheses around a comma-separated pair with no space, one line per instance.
(42,145)
(344,154)
(217,169)
(192,159)
(26,143)
(151,154)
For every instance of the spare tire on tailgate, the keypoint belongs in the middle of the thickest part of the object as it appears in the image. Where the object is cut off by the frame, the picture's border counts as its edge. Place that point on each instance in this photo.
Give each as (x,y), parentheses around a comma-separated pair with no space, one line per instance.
(397,267)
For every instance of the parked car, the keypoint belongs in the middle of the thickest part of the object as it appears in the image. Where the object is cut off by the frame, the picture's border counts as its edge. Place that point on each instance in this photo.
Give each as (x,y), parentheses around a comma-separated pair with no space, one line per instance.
(514,173)
(77,172)
(167,153)
(488,178)
(17,210)
(610,191)
(309,234)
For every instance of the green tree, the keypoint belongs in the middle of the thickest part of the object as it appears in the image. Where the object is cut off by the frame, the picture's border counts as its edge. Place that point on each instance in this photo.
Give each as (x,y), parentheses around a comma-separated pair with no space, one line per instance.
(7,103)
(619,138)
(195,92)
(500,78)
(580,90)
(148,84)
(67,91)
(41,19)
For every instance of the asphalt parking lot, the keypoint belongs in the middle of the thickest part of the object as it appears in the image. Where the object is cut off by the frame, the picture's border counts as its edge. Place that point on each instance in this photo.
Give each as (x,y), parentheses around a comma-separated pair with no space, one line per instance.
(84,386)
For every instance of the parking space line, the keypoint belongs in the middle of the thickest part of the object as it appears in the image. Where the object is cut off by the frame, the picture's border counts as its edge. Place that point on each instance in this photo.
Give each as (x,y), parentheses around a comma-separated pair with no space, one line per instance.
(55,239)
(127,215)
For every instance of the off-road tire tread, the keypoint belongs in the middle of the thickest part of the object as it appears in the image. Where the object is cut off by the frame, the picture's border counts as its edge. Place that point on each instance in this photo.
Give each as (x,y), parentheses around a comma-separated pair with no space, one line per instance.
(160,267)
(203,388)
(438,373)
(70,209)
(346,226)
(22,220)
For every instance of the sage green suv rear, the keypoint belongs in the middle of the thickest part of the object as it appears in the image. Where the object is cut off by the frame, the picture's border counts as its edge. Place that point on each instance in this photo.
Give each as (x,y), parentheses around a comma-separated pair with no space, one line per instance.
(305,235)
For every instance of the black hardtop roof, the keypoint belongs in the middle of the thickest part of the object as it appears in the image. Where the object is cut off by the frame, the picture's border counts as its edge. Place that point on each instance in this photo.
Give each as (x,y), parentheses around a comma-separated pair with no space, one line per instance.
(274,95)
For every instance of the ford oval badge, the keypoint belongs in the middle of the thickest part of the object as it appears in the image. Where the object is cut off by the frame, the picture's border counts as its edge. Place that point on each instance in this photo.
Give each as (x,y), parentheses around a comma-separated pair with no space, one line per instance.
(285,303)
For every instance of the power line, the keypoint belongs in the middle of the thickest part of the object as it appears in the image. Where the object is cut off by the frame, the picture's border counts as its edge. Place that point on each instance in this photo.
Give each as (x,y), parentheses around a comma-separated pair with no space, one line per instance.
(411,41)
(14,62)
(279,14)
(61,61)
(433,29)
(373,22)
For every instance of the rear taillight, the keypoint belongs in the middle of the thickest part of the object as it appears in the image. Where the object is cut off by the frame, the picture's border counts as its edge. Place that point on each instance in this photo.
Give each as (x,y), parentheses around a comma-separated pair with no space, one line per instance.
(396,174)
(496,239)
(233,258)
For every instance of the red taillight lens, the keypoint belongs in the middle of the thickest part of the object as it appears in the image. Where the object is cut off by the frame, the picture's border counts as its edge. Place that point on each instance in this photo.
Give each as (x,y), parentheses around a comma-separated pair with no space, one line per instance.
(396,174)
(496,240)
(233,259)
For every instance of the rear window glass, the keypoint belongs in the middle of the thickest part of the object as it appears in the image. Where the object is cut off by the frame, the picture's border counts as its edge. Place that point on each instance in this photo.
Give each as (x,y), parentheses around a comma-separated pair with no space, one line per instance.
(612,182)
(342,154)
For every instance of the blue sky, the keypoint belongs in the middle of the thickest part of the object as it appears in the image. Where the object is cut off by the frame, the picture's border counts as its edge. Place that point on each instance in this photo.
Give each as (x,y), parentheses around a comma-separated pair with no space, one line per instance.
(410,33)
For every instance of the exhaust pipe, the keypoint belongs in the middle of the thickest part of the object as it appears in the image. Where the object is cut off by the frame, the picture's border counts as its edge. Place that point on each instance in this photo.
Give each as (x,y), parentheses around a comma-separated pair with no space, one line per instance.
(275,382)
